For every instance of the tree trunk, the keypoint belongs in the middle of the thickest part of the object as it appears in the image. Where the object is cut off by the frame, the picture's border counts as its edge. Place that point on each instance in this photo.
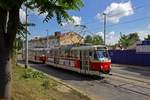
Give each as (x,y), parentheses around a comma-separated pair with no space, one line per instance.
(7,36)
(5,77)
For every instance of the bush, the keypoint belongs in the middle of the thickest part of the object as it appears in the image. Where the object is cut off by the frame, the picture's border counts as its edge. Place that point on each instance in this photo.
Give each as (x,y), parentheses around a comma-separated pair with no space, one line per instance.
(29,73)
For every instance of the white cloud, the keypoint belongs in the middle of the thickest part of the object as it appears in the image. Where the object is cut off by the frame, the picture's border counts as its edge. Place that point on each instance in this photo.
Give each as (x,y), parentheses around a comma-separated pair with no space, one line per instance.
(116,11)
(100,33)
(77,21)
(111,37)
(143,34)
(70,25)
(148,26)
(22,15)
(36,12)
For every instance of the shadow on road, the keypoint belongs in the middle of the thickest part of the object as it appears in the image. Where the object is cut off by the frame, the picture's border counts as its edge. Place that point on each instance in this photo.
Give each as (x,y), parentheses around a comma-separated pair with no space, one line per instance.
(137,70)
(62,73)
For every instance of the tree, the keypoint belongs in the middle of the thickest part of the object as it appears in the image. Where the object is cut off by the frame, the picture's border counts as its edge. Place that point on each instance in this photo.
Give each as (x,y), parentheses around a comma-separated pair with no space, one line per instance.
(88,39)
(9,22)
(147,38)
(20,37)
(95,39)
(128,40)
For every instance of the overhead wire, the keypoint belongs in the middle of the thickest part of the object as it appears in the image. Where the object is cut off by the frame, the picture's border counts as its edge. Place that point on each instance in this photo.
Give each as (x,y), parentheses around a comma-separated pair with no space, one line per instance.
(135,8)
(125,22)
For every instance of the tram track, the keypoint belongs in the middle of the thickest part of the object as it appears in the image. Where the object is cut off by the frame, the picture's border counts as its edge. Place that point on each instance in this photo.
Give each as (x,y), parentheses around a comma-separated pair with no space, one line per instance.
(122,87)
(118,87)
(131,78)
(132,90)
(126,83)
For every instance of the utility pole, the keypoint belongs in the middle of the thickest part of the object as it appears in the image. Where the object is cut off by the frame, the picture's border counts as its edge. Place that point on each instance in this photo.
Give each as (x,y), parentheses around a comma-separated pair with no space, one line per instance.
(104,28)
(26,42)
(47,39)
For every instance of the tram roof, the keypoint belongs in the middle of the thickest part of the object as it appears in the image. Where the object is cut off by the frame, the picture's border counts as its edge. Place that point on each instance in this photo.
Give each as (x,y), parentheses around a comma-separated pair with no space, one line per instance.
(89,47)
(81,47)
(73,47)
(39,49)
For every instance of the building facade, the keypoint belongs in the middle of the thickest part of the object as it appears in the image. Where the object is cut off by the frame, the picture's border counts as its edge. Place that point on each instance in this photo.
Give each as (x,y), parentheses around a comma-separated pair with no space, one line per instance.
(56,40)
(143,46)
(71,38)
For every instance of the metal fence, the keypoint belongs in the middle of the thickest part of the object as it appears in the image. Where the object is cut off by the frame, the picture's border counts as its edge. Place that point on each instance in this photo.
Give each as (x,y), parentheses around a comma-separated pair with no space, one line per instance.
(129,57)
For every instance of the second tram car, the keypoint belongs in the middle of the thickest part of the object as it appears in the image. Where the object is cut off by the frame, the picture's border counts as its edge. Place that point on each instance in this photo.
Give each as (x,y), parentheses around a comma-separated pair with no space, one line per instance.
(87,59)
(37,55)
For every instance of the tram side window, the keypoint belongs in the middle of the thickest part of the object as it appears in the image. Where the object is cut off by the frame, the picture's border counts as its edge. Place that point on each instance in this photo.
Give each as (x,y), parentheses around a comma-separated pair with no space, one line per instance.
(75,54)
(78,53)
(86,54)
(90,54)
(63,53)
(54,53)
(95,55)
(66,54)
(50,53)
(71,53)
(60,53)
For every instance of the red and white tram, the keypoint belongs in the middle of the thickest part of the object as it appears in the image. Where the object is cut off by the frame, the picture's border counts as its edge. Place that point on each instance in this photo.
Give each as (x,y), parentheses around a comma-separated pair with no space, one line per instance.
(37,55)
(89,59)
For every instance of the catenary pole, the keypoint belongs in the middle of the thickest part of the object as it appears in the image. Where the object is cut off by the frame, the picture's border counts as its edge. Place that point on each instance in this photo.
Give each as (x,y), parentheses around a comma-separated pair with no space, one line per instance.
(104,28)
(47,46)
(26,41)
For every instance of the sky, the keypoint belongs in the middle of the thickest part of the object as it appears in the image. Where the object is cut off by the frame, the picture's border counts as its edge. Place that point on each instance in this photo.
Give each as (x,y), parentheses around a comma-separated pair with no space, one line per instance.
(123,16)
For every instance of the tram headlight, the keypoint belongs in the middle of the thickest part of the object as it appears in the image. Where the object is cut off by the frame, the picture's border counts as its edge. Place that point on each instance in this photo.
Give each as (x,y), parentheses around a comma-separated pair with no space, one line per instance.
(109,60)
(101,67)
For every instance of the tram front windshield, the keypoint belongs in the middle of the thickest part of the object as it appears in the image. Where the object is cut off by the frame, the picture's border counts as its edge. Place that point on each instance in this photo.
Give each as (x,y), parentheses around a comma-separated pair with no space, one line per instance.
(101,54)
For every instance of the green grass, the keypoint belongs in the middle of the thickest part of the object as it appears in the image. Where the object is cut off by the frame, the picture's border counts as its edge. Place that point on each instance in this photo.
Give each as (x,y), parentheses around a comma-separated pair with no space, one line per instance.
(33,85)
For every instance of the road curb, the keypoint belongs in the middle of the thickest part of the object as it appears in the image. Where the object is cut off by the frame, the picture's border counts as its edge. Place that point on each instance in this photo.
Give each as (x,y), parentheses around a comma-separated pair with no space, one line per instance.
(61,82)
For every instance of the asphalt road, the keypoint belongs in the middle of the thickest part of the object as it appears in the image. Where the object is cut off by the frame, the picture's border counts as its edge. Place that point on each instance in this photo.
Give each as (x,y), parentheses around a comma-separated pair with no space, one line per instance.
(125,83)
(140,72)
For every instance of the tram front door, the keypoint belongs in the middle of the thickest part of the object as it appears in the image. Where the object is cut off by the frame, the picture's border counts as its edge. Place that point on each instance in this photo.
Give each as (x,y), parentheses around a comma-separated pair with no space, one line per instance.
(84,58)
